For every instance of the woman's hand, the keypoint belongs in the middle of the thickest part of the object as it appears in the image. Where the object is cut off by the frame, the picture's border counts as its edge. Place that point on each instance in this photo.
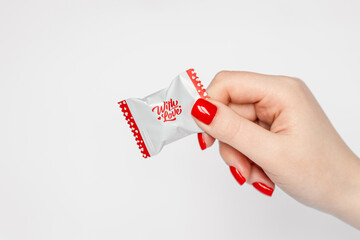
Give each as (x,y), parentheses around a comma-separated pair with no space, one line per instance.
(273,131)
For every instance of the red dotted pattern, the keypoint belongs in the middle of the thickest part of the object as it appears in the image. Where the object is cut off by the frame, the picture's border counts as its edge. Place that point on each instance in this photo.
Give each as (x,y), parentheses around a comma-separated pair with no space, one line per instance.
(197,83)
(134,128)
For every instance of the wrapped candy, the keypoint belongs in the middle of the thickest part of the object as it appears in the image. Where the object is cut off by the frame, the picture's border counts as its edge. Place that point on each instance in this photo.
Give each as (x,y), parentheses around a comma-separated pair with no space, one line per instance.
(164,116)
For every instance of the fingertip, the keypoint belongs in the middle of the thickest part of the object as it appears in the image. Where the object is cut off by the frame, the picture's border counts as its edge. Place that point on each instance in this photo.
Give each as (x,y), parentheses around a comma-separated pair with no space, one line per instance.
(263,188)
(204,111)
(238,163)
(261,181)
(205,140)
(201,141)
(237,175)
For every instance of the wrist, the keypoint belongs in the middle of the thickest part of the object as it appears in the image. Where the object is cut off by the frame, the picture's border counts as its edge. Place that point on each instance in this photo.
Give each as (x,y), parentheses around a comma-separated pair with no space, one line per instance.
(346,204)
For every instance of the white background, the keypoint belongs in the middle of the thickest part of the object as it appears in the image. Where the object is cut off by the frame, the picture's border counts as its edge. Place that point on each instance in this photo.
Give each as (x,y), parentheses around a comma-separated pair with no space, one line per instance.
(69,167)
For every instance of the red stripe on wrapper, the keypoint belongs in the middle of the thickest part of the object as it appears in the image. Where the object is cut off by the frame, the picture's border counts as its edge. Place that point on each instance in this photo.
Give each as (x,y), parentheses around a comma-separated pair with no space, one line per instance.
(134,128)
(197,83)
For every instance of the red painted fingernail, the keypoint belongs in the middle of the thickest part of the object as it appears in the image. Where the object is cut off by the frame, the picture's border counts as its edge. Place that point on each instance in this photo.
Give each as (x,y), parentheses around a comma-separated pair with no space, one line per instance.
(204,111)
(201,141)
(237,175)
(263,188)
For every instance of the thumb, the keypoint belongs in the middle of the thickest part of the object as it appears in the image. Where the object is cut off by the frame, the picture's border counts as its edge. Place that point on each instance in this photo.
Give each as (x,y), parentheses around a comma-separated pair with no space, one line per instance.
(222,123)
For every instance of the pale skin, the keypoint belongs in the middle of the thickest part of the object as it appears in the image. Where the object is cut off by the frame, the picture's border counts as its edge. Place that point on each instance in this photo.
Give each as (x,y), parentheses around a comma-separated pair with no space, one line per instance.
(273,131)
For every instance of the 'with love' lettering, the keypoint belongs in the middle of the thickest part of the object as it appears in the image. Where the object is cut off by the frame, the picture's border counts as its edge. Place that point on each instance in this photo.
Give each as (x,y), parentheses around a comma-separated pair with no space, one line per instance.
(168,110)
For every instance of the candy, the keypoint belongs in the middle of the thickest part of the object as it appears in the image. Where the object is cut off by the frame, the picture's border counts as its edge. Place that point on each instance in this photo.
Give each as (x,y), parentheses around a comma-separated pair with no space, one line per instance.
(164,116)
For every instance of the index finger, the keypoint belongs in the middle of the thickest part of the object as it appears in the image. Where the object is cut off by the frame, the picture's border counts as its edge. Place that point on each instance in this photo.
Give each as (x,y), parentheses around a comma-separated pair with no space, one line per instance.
(240,87)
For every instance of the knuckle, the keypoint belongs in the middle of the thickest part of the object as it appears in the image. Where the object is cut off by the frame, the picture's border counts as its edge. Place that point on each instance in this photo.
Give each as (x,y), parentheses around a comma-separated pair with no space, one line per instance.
(295,83)
(218,83)
(293,86)
(221,74)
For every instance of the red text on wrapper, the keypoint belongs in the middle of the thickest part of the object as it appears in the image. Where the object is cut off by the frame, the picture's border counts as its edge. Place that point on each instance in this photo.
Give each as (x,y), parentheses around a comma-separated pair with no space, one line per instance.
(168,111)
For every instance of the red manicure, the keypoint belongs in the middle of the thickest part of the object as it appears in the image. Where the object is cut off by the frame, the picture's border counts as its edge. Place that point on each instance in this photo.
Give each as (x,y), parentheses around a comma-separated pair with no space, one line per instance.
(201,141)
(263,188)
(204,111)
(237,175)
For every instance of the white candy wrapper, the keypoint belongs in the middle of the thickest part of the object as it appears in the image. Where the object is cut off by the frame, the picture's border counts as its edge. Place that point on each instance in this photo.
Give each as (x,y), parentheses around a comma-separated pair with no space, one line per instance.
(164,116)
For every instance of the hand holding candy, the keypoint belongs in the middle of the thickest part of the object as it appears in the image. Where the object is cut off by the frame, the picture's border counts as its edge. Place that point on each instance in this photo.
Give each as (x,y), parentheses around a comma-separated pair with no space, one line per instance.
(272,131)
